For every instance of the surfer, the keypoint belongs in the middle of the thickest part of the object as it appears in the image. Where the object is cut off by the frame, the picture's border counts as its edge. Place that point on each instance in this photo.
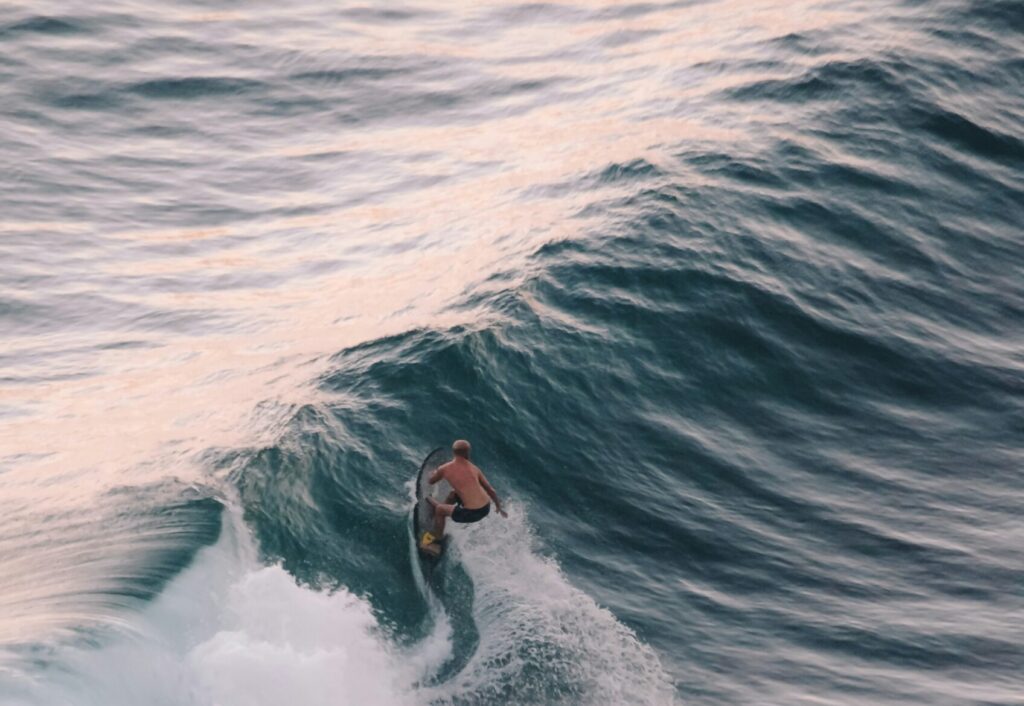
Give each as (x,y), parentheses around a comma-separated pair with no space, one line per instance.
(470,501)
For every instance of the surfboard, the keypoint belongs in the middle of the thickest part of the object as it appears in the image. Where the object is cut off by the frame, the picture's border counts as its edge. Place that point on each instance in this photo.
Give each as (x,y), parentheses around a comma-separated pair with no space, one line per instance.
(423,511)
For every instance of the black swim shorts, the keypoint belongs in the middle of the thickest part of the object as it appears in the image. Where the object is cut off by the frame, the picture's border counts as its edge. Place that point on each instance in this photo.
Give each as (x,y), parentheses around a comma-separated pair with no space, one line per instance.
(461,514)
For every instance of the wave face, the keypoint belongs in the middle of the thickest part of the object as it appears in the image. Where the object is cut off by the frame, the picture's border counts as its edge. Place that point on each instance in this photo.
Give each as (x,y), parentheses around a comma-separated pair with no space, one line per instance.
(727,297)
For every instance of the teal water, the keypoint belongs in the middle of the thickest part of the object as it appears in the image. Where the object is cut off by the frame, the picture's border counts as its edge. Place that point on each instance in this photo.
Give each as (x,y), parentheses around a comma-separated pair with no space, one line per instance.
(727,296)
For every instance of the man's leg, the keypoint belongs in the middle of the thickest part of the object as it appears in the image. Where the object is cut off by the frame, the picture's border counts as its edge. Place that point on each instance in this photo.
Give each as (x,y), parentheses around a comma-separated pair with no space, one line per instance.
(441,511)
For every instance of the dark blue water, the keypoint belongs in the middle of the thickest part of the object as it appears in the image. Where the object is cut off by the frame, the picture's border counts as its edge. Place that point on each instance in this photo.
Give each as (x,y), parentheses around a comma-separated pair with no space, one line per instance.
(727,296)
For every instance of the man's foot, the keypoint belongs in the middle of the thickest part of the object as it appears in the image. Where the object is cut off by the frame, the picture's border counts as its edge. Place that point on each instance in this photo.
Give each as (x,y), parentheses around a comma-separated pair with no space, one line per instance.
(433,550)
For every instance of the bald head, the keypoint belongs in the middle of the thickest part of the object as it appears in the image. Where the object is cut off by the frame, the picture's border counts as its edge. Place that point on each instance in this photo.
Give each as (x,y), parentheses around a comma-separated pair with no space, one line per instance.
(461,448)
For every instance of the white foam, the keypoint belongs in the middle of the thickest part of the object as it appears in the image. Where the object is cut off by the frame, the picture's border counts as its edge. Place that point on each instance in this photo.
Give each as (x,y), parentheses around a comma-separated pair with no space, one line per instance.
(229,632)
(542,640)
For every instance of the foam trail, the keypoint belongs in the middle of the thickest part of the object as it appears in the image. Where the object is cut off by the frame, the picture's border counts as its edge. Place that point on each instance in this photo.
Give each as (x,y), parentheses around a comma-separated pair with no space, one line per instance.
(228,632)
(542,640)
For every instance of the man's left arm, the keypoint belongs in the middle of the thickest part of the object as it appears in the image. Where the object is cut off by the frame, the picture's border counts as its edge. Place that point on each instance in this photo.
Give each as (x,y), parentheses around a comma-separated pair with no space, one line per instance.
(490,491)
(438,475)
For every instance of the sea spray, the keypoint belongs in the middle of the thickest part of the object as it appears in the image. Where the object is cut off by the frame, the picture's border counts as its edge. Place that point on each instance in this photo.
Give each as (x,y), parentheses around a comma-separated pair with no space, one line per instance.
(542,640)
(229,632)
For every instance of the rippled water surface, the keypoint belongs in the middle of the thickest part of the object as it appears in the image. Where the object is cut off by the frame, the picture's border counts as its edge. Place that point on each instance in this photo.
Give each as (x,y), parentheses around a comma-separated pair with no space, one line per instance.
(728,297)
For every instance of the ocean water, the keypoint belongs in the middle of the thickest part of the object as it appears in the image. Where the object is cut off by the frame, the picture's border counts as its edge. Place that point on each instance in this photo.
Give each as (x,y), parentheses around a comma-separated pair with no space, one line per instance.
(728,296)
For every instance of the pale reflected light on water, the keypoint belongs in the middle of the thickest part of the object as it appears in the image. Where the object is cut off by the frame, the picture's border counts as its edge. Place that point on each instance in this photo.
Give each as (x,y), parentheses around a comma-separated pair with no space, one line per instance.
(432,206)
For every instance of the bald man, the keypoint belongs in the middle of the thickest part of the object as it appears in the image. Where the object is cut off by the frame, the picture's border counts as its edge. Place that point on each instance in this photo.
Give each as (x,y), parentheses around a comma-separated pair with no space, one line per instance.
(470,501)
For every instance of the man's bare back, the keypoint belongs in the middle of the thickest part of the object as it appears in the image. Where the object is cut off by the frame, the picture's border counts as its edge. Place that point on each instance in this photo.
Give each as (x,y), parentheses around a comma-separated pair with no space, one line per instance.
(471,497)
(465,478)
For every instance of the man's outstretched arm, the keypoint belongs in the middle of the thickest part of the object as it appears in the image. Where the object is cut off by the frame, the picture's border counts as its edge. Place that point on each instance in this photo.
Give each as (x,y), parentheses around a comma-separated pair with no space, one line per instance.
(490,491)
